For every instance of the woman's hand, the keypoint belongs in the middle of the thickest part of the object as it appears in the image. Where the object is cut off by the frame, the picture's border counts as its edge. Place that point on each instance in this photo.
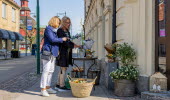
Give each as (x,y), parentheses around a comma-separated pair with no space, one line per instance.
(76,46)
(64,38)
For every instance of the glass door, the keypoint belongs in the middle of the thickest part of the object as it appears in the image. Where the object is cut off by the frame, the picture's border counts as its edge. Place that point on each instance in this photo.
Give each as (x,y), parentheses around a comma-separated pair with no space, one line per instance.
(162,36)
(162,41)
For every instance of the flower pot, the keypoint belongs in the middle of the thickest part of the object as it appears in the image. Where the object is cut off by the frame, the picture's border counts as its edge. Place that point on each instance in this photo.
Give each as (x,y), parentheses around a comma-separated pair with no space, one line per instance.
(110,60)
(89,55)
(124,88)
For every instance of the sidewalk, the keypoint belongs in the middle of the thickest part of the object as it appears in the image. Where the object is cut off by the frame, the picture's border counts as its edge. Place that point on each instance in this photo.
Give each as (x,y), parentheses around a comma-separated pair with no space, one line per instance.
(26,87)
(101,93)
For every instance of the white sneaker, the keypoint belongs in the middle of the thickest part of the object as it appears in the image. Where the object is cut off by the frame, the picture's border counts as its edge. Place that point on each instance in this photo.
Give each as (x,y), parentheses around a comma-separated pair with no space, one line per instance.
(50,90)
(44,93)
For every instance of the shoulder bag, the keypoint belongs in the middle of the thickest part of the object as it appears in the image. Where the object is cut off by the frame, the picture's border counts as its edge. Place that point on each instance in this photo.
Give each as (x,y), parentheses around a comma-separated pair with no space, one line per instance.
(46,55)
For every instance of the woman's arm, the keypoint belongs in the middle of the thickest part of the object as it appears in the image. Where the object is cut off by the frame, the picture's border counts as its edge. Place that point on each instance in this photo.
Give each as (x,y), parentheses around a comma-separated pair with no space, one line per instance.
(76,46)
(52,38)
(67,43)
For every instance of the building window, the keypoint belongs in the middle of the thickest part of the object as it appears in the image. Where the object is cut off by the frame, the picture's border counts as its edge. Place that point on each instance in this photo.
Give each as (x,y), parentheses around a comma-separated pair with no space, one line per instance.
(22,12)
(4,10)
(21,21)
(13,15)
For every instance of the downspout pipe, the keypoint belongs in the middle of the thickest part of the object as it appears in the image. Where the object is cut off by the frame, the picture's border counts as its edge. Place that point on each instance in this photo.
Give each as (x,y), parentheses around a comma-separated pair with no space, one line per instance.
(114,22)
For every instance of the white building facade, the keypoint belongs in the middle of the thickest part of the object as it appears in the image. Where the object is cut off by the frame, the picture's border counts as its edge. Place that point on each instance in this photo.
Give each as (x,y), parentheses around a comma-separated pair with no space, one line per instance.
(98,24)
(136,23)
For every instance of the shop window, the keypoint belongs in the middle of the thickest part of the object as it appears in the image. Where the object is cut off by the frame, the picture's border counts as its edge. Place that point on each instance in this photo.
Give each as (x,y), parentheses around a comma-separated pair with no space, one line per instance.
(21,21)
(162,50)
(4,44)
(162,58)
(162,21)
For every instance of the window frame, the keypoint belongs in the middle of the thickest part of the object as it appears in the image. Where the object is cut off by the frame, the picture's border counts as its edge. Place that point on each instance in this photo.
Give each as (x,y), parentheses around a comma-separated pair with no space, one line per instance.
(13,14)
(4,10)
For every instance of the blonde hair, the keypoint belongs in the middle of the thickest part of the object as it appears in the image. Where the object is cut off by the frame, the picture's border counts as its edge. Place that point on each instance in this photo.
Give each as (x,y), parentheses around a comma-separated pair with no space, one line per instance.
(63,20)
(54,22)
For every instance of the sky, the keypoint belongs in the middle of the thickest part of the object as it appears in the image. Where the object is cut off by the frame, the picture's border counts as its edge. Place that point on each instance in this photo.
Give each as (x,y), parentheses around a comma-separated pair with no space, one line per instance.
(49,8)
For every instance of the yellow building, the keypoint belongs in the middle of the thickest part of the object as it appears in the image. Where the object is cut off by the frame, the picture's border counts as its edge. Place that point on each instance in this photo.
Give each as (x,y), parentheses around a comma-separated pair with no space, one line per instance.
(9,19)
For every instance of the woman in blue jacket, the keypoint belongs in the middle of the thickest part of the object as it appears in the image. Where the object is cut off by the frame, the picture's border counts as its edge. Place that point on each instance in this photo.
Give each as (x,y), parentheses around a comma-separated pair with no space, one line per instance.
(51,44)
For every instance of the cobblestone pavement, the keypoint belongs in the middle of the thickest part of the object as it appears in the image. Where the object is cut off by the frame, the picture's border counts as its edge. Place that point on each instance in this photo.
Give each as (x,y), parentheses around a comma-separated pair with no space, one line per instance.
(16,76)
(26,87)
(12,88)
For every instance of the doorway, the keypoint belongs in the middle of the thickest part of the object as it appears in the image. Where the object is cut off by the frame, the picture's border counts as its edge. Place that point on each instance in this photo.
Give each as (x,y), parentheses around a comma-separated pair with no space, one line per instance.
(162,41)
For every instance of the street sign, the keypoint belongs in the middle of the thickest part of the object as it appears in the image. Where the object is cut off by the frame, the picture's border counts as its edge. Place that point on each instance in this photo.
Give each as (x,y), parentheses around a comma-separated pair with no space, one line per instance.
(29,24)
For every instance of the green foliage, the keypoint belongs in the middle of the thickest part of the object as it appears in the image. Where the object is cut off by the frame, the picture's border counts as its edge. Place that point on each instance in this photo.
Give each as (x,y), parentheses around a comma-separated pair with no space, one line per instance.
(128,72)
(111,56)
(125,53)
(14,50)
(89,51)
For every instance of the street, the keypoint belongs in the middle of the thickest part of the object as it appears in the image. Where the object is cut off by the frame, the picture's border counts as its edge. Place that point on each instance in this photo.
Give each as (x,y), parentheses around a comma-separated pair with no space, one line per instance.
(14,67)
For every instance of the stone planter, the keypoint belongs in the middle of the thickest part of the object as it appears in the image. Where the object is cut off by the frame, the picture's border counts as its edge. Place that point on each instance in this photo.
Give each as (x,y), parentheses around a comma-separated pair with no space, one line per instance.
(107,70)
(124,88)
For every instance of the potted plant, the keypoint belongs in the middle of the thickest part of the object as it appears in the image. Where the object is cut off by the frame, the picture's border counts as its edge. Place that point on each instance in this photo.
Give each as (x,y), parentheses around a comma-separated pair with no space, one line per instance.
(126,75)
(111,57)
(89,53)
(125,53)
(111,49)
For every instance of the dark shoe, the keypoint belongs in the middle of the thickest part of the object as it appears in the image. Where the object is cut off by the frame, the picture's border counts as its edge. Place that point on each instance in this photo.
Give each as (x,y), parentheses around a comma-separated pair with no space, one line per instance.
(64,88)
(58,86)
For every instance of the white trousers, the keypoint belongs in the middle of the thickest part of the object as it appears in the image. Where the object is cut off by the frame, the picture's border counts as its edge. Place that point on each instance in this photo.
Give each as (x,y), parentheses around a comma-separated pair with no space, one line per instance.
(48,69)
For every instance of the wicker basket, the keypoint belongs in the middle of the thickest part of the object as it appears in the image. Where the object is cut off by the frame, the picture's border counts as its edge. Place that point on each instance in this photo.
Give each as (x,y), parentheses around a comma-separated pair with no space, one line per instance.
(109,48)
(81,90)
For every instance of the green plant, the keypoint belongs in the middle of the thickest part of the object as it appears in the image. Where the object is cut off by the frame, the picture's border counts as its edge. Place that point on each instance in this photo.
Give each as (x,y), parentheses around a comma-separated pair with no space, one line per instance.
(111,56)
(89,51)
(125,53)
(128,72)
(14,50)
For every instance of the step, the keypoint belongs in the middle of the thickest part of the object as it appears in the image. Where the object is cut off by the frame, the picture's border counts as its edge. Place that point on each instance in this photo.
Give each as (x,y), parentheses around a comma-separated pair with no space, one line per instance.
(155,96)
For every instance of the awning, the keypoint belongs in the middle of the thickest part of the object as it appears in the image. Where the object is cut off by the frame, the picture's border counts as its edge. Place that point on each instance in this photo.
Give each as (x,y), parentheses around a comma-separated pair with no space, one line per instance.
(11,35)
(4,34)
(18,36)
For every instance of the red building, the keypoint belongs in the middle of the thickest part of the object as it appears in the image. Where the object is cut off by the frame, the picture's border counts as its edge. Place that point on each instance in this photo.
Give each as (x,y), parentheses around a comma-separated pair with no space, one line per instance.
(25,15)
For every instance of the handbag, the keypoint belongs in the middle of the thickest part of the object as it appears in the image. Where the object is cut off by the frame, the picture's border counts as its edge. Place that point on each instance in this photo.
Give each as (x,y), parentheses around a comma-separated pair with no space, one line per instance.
(58,57)
(46,55)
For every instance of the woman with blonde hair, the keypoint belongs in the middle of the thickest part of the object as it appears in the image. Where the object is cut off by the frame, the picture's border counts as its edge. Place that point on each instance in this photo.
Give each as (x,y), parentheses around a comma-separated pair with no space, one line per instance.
(65,56)
(51,45)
